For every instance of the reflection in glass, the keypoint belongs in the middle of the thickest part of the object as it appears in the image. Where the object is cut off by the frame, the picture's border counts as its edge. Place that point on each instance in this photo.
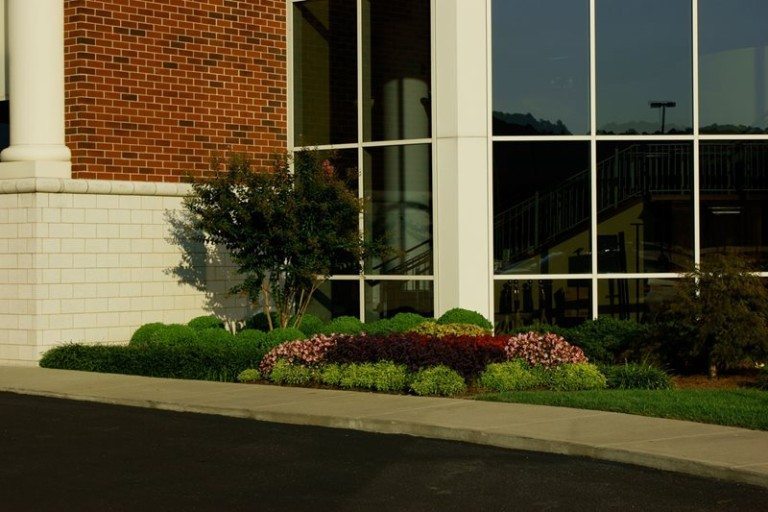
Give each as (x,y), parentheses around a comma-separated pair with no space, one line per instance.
(633,299)
(385,299)
(734,199)
(398,194)
(645,210)
(540,67)
(733,66)
(397,69)
(325,72)
(336,298)
(541,207)
(644,68)
(561,302)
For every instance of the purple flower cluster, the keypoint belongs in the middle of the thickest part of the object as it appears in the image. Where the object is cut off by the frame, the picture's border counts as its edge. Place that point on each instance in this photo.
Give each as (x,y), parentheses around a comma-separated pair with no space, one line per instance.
(546,350)
(308,352)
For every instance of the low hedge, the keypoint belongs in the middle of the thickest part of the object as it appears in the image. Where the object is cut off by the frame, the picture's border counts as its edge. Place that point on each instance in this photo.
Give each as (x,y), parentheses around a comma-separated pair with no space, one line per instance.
(194,360)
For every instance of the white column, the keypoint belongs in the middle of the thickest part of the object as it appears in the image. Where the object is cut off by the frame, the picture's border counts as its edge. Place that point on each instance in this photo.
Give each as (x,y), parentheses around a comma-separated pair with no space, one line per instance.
(36,91)
(462,186)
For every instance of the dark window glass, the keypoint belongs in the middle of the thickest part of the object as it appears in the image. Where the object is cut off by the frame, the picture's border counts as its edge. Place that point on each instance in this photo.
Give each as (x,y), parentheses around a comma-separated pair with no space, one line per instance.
(5,125)
(733,66)
(645,210)
(540,67)
(541,207)
(396,69)
(336,298)
(633,299)
(644,68)
(398,194)
(385,299)
(560,302)
(325,72)
(734,199)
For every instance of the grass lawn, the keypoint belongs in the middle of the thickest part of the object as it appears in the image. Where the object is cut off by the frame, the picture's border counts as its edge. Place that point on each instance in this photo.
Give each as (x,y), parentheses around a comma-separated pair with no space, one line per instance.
(746,408)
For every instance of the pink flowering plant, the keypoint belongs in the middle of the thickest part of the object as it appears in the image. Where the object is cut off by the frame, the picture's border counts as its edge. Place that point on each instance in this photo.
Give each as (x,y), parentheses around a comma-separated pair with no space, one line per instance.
(547,350)
(304,352)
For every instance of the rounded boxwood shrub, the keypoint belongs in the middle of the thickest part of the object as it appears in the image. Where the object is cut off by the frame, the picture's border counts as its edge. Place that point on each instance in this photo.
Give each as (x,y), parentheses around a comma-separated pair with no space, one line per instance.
(510,376)
(465,316)
(343,325)
(171,334)
(607,339)
(438,381)
(215,336)
(259,321)
(292,374)
(403,322)
(249,375)
(252,337)
(379,327)
(434,329)
(575,377)
(310,324)
(144,333)
(282,334)
(205,322)
(636,376)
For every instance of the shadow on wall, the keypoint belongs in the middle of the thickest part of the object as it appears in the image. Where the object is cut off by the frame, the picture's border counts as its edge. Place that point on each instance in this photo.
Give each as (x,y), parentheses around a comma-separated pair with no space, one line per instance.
(208,269)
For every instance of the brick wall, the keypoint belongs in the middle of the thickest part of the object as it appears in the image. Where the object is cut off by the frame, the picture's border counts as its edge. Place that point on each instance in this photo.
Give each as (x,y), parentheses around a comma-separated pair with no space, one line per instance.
(155,88)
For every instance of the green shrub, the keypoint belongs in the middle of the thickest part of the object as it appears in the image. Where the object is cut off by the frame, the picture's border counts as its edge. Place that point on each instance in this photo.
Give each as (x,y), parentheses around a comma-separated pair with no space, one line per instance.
(510,376)
(292,374)
(215,335)
(171,334)
(282,334)
(194,360)
(330,374)
(249,375)
(310,324)
(343,325)
(542,328)
(403,322)
(205,322)
(606,340)
(379,327)
(465,316)
(575,377)
(636,376)
(143,333)
(259,321)
(435,329)
(381,376)
(438,380)
(252,337)
(762,378)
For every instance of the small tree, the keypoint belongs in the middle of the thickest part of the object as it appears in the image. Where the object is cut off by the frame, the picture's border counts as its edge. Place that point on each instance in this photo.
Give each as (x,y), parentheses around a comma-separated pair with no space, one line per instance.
(725,307)
(286,230)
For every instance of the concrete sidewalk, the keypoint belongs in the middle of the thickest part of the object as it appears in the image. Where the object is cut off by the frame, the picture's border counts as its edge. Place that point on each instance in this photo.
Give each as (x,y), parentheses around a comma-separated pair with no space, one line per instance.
(704,450)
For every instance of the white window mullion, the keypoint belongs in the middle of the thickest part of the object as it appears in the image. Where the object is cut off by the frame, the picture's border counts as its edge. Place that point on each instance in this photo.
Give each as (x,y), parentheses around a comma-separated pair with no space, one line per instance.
(593,152)
(696,162)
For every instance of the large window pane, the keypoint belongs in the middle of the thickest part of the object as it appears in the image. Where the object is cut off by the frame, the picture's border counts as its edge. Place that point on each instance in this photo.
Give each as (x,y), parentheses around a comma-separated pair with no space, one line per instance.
(325,72)
(645,210)
(644,68)
(385,299)
(561,302)
(540,67)
(734,199)
(396,70)
(336,298)
(541,207)
(733,66)
(398,193)
(633,299)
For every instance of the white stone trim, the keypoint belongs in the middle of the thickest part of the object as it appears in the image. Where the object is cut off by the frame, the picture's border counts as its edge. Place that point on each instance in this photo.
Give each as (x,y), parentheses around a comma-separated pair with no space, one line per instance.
(105,187)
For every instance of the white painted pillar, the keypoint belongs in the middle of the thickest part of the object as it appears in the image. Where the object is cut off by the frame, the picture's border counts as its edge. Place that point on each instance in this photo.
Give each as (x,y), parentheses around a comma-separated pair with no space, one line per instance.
(36,91)
(461,124)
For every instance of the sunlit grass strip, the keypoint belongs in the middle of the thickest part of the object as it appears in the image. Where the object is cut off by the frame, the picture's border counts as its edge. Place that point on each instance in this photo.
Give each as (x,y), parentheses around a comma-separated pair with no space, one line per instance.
(747,408)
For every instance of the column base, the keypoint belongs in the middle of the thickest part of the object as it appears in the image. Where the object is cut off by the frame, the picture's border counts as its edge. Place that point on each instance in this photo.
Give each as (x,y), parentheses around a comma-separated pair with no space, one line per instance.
(35,169)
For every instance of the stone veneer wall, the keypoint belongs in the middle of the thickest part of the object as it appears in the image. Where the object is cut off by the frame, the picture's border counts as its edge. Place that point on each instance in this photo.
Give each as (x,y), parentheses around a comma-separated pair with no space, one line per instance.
(87,261)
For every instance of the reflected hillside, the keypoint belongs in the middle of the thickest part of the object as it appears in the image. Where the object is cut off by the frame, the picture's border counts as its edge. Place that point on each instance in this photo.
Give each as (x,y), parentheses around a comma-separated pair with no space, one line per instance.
(505,123)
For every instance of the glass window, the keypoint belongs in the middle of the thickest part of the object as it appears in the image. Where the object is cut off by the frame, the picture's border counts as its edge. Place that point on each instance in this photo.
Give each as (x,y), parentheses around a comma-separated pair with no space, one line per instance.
(559,302)
(396,70)
(733,66)
(633,299)
(385,299)
(398,195)
(541,207)
(336,298)
(325,72)
(734,199)
(540,67)
(644,66)
(645,210)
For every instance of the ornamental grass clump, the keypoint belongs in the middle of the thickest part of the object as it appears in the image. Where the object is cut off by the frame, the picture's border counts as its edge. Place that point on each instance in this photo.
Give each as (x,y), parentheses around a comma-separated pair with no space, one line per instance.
(636,376)
(575,377)
(308,352)
(510,376)
(545,350)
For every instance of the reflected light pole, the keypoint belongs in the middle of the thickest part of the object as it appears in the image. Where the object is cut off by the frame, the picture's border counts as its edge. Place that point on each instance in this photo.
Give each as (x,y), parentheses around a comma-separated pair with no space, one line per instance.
(663,105)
